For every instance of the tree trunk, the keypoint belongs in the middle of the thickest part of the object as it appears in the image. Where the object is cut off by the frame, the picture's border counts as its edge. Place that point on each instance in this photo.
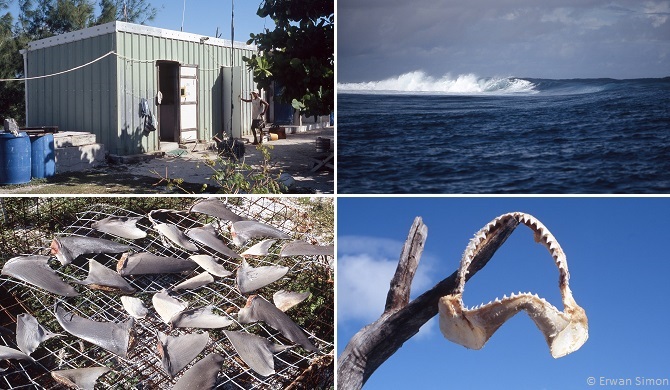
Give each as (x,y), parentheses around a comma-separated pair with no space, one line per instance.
(401,320)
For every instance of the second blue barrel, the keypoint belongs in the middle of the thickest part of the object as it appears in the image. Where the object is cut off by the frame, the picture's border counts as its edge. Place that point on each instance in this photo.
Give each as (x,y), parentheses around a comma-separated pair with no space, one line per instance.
(43,156)
(14,158)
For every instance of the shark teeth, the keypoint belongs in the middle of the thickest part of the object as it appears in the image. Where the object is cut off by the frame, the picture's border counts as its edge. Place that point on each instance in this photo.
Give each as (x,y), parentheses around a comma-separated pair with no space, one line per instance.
(565,331)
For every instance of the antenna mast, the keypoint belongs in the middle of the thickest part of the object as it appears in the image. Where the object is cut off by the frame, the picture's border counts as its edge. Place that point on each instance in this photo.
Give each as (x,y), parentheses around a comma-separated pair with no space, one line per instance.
(232,59)
(183,12)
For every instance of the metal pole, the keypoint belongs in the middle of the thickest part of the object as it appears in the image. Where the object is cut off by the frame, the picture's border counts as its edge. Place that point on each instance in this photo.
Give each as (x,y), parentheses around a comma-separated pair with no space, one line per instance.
(183,12)
(24,53)
(232,69)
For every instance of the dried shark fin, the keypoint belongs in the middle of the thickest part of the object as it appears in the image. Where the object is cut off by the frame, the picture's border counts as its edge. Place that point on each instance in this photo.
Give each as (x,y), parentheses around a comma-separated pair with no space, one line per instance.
(175,236)
(134,306)
(112,336)
(202,279)
(206,235)
(166,306)
(214,207)
(35,270)
(202,375)
(209,264)
(170,234)
(285,300)
(202,317)
(246,230)
(176,352)
(80,378)
(7,353)
(102,278)
(259,309)
(125,227)
(302,248)
(260,249)
(256,351)
(148,263)
(250,279)
(30,334)
(67,249)
(565,331)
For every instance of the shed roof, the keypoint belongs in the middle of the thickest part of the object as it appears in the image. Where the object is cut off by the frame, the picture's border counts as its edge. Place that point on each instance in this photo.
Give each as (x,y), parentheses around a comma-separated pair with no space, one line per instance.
(118,26)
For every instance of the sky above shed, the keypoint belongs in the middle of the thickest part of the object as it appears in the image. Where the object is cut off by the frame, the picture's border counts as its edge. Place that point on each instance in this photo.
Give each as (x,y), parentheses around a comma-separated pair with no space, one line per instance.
(522,38)
(203,17)
(618,267)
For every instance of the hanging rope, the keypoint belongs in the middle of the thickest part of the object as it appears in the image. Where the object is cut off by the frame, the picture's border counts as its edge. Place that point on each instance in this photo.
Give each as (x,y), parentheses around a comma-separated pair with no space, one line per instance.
(96,60)
(62,72)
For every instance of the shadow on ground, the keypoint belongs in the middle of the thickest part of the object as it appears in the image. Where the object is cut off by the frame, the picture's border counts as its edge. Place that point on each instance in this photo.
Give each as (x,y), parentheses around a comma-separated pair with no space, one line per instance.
(295,155)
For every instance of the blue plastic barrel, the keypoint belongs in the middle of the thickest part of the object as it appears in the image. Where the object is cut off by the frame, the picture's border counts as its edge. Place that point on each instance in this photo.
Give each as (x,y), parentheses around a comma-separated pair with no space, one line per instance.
(43,156)
(14,158)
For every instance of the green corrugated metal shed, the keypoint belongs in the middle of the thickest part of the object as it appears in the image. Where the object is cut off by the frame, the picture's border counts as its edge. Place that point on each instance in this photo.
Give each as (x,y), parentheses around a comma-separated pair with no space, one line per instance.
(104,97)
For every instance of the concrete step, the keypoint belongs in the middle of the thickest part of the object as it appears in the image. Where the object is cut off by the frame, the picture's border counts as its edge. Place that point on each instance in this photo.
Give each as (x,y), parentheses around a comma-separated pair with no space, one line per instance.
(66,139)
(79,158)
(168,146)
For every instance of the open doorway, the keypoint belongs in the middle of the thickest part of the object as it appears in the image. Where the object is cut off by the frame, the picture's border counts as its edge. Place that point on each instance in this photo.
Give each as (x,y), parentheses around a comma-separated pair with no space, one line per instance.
(168,106)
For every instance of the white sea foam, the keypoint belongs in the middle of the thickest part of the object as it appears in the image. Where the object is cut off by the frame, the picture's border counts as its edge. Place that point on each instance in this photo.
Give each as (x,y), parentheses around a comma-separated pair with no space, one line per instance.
(419,82)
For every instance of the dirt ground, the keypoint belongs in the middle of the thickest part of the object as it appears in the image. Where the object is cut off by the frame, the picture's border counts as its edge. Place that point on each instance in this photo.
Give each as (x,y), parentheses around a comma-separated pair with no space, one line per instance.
(294,155)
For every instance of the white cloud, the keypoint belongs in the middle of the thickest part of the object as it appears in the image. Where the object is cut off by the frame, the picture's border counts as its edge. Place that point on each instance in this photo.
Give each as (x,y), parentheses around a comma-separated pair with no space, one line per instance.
(657,12)
(362,286)
(365,266)
(490,38)
(559,15)
(582,19)
(374,246)
(428,330)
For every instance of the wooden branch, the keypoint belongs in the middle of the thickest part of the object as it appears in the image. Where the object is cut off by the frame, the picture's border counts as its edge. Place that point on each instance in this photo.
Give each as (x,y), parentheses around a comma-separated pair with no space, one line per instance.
(375,343)
(401,284)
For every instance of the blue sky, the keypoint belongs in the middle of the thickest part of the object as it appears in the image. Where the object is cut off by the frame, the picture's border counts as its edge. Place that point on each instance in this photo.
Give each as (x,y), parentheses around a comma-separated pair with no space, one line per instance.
(203,17)
(619,266)
(378,40)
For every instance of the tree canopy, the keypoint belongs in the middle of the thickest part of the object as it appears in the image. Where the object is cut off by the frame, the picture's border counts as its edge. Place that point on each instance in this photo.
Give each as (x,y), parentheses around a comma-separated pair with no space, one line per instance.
(298,55)
(45,18)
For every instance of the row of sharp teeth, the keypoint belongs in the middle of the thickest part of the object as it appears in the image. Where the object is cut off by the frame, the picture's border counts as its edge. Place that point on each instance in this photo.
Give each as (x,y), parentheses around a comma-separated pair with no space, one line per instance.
(504,298)
(547,239)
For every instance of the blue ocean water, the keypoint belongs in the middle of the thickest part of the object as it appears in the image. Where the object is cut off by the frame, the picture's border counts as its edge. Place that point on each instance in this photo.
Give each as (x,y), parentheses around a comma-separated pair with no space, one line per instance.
(506,135)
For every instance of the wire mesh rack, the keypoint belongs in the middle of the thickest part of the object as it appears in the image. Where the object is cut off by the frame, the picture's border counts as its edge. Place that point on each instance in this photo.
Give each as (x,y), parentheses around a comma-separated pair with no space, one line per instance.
(142,368)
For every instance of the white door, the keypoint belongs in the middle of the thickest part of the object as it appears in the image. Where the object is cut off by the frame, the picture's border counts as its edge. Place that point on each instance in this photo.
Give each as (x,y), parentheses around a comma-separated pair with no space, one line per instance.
(188,99)
(236,126)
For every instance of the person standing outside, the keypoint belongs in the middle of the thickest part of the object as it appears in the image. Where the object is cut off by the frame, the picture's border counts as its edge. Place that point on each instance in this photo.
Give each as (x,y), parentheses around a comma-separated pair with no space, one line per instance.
(258,109)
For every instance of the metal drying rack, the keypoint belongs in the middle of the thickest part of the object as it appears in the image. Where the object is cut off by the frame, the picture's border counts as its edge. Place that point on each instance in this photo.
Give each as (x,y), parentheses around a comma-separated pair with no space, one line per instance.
(142,368)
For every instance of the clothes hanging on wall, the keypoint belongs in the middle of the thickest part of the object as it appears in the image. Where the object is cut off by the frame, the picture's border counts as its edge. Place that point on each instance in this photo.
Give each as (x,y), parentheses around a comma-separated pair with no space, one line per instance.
(147,115)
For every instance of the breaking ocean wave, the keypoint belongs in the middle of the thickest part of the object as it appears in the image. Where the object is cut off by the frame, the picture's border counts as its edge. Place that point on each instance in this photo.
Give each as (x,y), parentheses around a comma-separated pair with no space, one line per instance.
(503,135)
(418,82)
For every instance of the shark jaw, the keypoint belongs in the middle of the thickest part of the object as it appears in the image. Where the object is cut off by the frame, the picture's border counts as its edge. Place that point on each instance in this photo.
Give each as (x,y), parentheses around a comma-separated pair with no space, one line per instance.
(564,331)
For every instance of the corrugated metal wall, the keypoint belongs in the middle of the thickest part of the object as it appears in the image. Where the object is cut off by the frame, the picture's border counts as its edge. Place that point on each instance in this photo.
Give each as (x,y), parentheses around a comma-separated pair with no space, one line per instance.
(81,100)
(137,78)
(104,98)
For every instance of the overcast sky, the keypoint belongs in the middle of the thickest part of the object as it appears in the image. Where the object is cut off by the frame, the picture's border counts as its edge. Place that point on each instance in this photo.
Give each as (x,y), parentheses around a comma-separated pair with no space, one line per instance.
(378,39)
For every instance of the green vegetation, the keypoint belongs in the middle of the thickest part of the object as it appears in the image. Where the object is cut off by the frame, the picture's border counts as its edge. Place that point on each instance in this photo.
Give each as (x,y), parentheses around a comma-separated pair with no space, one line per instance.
(45,18)
(25,222)
(232,176)
(298,55)
(235,177)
